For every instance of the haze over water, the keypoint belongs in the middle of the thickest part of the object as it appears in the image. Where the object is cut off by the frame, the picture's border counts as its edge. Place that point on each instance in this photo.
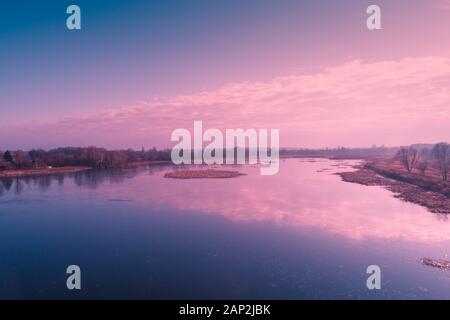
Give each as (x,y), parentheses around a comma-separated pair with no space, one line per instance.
(302,233)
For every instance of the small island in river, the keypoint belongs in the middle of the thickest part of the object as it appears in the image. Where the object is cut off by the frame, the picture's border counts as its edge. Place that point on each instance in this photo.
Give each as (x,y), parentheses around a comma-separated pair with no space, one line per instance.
(203,174)
(440,264)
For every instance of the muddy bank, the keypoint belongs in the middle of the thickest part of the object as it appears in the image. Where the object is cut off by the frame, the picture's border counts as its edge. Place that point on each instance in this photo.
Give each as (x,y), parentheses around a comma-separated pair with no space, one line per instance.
(434,201)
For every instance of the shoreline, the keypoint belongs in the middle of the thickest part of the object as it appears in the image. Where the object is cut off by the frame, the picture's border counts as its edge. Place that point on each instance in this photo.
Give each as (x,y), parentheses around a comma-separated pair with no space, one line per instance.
(434,201)
(71,169)
(41,171)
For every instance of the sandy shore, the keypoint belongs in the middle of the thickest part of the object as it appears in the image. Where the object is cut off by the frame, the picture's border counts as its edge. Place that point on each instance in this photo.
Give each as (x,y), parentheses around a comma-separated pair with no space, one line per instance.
(203,174)
(41,171)
(434,201)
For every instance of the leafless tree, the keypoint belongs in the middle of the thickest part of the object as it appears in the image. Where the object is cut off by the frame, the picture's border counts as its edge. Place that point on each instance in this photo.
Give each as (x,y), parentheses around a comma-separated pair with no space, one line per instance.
(408,157)
(441,153)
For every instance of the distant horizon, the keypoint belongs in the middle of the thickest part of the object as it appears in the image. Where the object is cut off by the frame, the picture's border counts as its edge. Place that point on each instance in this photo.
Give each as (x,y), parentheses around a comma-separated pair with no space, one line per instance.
(169,147)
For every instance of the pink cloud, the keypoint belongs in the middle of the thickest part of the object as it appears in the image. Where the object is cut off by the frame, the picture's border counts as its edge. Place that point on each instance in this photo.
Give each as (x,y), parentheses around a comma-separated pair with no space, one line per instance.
(356,103)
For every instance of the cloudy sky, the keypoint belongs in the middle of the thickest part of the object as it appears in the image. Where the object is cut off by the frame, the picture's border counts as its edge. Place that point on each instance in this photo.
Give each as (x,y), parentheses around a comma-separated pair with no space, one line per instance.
(140,69)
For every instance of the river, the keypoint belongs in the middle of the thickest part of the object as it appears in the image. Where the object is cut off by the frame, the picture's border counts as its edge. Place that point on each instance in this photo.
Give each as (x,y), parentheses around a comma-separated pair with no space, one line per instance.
(300,234)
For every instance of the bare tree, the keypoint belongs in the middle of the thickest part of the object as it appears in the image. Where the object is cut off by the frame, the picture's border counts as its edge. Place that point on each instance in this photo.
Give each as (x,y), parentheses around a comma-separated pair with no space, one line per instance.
(441,153)
(408,157)
(422,166)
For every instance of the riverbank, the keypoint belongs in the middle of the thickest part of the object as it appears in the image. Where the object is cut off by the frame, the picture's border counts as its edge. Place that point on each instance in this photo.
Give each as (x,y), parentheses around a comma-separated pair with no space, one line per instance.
(429,193)
(203,174)
(40,171)
(71,169)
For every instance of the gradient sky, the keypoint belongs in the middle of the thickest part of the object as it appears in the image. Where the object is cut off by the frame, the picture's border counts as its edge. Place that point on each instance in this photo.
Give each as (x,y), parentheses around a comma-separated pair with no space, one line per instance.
(139,69)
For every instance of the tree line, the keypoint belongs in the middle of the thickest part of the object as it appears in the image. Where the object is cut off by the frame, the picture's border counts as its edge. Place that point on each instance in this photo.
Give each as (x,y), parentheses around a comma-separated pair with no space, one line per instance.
(437,157)
(91,157)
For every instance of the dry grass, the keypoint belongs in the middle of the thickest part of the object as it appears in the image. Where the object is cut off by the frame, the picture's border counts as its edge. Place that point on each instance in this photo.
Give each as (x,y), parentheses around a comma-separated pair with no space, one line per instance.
(431,181)
(426,190)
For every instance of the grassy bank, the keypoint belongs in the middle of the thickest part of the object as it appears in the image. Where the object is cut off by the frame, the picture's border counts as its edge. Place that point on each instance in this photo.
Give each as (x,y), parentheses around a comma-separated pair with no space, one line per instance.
(430,181)
(426,190)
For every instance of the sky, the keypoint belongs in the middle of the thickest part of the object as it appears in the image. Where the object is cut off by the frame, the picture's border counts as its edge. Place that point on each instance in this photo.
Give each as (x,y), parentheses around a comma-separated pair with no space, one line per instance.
(137,70)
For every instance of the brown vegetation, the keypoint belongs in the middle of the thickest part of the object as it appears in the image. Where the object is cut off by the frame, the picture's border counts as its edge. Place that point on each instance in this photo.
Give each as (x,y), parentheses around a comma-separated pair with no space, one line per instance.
(441,264)
(93,157)
(408,157)
(441,152)
(434,201)
(416,176)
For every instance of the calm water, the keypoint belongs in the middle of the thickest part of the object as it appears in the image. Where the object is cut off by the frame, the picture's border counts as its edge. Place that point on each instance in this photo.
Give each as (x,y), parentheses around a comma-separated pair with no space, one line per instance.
(300,234)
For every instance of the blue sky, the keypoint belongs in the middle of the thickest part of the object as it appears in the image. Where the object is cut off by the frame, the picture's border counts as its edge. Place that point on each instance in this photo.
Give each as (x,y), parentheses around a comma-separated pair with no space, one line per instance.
(131,53)
(157,48)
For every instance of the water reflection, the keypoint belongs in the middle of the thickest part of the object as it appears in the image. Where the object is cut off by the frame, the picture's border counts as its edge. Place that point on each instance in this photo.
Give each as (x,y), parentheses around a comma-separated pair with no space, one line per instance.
(305,193)
(88,179)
